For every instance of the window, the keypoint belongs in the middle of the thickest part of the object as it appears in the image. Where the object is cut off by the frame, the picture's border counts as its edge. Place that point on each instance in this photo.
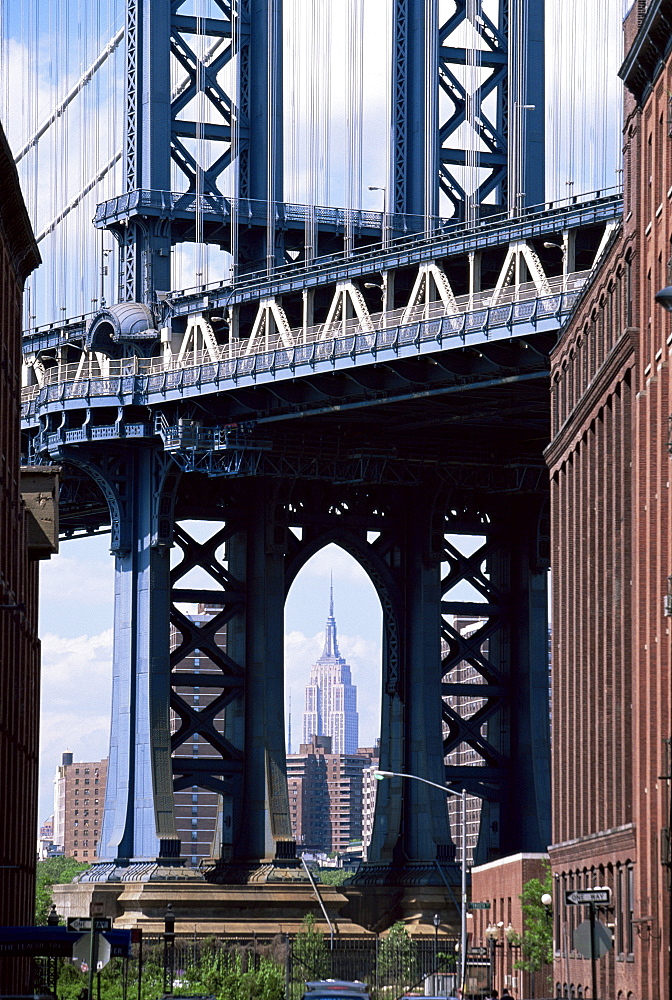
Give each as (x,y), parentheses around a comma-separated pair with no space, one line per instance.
(86,854)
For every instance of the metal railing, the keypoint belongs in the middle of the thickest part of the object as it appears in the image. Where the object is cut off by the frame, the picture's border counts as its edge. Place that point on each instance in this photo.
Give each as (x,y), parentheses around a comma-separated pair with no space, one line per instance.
(313,346)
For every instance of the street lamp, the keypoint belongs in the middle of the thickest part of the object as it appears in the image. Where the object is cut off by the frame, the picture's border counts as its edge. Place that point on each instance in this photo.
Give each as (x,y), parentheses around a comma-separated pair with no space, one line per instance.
(383,228)
(436,920)
(168,949)
(380,775)
(493,935)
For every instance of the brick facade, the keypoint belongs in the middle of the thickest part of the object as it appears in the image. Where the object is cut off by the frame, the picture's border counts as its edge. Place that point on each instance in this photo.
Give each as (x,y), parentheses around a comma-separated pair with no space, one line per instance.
(19,646)
(500,883)
(612,556)
(78,804)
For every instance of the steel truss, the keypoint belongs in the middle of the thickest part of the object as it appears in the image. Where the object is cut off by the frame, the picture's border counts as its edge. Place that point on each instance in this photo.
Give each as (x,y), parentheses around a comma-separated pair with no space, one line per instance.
(495,665)
(489,68)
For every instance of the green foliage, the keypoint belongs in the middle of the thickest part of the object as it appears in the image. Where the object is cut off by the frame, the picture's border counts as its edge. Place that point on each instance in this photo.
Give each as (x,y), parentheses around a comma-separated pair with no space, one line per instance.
(397,960)
(536,941)
(228,975)
(53,871)
(309,954)
(334,876)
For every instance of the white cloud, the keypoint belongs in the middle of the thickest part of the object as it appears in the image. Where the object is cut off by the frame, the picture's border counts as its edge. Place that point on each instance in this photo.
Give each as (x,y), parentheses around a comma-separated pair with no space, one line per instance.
(75,710)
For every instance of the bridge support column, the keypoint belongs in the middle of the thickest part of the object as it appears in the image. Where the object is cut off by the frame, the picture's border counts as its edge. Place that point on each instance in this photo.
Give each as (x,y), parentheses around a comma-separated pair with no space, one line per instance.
(139,819)
(258,641)
(411,825)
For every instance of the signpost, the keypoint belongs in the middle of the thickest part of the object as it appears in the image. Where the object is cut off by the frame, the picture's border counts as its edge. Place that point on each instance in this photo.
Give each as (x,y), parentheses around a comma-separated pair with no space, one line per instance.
(94,926)
(584,897)
(600,896)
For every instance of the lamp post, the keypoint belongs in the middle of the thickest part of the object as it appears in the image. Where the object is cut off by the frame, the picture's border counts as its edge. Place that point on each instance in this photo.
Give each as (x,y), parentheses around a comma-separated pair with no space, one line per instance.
(168,949)
(380,775)
(493,935)
(436,920)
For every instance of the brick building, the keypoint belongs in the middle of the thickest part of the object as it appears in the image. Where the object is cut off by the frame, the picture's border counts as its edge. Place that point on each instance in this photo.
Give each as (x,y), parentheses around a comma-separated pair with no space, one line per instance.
(22,541)
(612,556)
(326,795)
(79,798)
(500,883)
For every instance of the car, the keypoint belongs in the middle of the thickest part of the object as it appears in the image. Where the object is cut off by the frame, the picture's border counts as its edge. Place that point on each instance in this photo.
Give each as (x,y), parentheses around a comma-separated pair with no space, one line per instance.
(336,989)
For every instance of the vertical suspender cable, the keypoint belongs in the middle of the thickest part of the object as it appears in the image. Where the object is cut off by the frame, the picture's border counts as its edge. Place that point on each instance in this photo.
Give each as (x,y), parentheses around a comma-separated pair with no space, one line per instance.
(431,180)
(235,139)
(201,276)
(271,57)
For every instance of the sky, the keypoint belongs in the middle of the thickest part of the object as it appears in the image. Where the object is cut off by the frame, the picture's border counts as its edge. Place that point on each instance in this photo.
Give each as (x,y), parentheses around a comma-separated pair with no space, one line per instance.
(583,55)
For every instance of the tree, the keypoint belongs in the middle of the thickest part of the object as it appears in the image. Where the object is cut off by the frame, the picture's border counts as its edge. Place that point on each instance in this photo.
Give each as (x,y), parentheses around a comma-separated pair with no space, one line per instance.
(334,876)
(310,958)
(536,941)
(53,871)
(397,959)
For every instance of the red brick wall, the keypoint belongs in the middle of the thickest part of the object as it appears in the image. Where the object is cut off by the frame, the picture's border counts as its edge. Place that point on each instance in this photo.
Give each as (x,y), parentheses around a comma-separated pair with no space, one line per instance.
(612,554)
(500,883)
(652,210)
(19,646)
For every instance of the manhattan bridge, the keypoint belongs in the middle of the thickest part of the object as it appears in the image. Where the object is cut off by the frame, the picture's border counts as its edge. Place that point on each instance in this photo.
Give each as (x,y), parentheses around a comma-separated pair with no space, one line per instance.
(375,379)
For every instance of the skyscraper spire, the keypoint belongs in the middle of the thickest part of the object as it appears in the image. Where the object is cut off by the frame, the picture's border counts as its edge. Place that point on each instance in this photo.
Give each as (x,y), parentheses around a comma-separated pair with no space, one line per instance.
(331,697)
(330,638)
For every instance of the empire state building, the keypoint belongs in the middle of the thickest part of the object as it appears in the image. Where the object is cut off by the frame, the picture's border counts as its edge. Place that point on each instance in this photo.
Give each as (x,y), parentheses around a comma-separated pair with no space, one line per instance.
(331,697)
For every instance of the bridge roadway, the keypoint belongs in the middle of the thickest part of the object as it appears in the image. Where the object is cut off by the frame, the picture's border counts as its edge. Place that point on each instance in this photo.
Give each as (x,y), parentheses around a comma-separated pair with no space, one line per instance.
(449,241)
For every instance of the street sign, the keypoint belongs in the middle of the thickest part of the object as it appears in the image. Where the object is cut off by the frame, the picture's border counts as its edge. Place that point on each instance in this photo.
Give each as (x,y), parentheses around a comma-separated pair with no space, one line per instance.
(478,951)
(602,939)
(478,906)
(79,925)
(81,952)
(584,896)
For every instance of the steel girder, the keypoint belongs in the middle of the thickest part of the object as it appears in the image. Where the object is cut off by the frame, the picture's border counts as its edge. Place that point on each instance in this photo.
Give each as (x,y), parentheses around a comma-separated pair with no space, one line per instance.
(247,127)
(496,668)
(408,539)
(495,121)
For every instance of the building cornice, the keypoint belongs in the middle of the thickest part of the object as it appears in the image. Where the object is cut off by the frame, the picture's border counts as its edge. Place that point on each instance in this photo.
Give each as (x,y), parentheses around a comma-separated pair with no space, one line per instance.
(14,220)
(649,50)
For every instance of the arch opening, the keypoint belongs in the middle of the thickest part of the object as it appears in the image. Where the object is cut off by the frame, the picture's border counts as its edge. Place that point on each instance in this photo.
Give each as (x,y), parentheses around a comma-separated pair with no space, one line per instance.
(333,685)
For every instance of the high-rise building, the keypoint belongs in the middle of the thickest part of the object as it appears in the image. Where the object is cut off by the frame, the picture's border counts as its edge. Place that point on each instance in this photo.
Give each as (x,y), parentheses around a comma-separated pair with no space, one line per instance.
(79,797)
(326,795)
(331,697)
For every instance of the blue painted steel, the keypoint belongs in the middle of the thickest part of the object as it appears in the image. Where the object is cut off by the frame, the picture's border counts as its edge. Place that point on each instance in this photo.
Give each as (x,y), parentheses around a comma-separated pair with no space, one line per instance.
(139,819)
(527,87)
(449,241)
(424,337)
(430,151)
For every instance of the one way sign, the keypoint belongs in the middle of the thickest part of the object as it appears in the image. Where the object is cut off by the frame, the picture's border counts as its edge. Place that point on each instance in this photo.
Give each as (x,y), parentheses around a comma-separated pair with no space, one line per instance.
(584,896)
(79,925)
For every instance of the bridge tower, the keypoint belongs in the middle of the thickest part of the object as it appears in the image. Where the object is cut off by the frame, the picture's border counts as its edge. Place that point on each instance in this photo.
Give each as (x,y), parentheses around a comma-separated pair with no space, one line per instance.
(267,519)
